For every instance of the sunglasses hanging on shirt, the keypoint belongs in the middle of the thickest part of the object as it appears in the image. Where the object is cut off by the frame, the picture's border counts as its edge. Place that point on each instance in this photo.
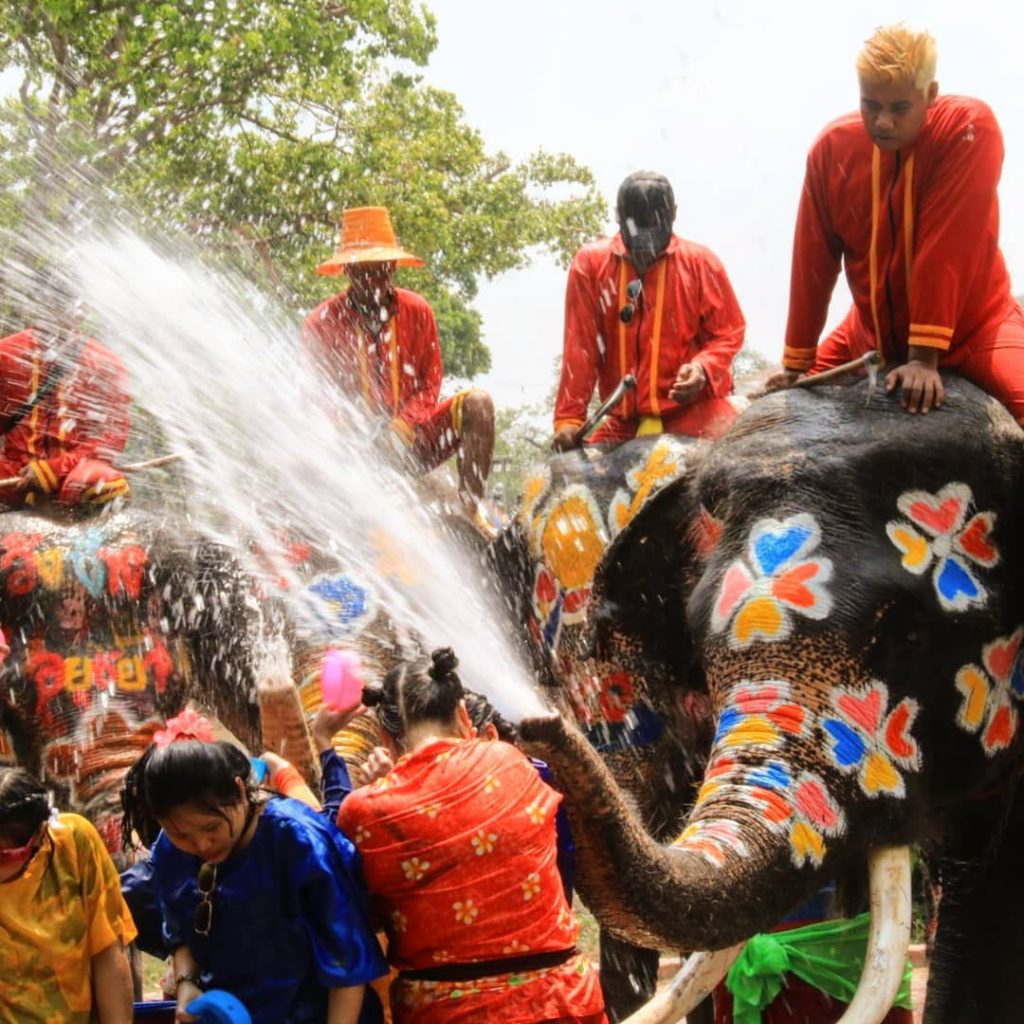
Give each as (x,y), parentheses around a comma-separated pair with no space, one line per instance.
(634,290)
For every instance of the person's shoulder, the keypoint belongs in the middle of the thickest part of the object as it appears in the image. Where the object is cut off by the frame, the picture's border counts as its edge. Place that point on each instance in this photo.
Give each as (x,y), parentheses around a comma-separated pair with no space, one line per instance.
(596,251)
(95,353)
(297,821)
(841,134)
(952,115)
(74,830)
(411,300)
(328,309)
(18,341)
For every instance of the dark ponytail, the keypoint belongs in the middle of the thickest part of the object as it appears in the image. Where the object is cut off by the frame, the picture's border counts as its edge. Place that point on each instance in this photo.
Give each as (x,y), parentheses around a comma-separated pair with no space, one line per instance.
(421,690)
(184,772)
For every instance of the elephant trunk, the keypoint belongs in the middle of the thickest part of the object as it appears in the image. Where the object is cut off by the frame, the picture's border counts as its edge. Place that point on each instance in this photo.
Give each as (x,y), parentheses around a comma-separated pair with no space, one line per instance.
(710,889)
(731,874)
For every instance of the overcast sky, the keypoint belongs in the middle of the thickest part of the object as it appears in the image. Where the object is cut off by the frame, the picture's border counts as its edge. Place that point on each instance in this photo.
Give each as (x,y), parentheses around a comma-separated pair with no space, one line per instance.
(724,98)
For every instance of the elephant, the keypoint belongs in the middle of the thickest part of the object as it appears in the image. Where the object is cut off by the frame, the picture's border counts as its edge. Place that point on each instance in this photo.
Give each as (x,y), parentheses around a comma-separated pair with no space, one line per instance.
(113,623)
(652,729)
(844,580)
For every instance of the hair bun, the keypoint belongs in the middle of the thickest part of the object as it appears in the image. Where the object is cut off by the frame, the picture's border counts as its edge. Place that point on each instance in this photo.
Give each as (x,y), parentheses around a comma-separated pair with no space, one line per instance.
(373,696)
(443,663)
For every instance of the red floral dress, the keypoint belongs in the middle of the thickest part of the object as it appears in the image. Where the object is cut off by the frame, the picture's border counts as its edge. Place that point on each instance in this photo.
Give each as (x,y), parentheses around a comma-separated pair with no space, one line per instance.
(459,852)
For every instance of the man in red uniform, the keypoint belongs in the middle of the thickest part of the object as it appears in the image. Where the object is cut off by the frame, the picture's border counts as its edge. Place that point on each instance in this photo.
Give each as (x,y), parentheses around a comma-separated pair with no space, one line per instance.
(903,194)
(380,342)
(649,303)
(64,412)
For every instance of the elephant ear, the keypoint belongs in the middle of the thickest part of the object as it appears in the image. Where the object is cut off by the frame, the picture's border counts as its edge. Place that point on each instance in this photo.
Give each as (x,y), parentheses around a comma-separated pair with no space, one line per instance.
(641,585)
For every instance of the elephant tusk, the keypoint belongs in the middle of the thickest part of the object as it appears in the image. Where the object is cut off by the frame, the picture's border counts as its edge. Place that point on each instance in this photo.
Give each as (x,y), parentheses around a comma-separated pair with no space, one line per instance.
(694,981)
(889,872)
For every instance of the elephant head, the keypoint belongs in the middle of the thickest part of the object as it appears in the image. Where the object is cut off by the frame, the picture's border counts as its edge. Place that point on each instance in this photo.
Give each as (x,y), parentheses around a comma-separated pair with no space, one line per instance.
(113,623)
(846,579)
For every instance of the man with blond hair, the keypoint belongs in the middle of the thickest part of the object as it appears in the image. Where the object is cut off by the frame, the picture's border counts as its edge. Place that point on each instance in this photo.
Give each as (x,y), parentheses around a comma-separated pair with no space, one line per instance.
(903,196)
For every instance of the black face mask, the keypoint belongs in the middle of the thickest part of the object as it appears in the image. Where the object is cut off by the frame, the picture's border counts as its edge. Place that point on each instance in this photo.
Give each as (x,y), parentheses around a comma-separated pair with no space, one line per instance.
(651,241)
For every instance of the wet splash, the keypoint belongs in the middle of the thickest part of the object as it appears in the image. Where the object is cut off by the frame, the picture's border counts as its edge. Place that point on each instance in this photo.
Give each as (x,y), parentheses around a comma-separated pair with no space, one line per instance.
(273,450)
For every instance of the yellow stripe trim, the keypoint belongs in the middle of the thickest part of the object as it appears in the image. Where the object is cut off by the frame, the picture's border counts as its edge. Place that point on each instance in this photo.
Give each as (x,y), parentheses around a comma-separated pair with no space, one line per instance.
(928,341)
(908,221)
(562,424)
(44,474)
(942,332)
(456,410)
(622,333)
(33,419)
(659,306)
(876,199)
(393,349)
(364,376)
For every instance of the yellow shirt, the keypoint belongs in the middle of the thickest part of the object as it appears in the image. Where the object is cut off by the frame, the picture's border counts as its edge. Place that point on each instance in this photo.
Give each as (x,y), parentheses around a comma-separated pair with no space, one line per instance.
(58,914)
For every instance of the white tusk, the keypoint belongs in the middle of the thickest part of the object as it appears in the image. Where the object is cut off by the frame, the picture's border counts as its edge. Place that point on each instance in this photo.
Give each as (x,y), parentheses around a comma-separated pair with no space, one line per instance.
(694,981)
(886,956)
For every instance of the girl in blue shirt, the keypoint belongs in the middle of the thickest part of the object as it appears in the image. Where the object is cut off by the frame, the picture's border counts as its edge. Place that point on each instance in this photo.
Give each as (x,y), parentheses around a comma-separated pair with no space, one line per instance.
(261,898)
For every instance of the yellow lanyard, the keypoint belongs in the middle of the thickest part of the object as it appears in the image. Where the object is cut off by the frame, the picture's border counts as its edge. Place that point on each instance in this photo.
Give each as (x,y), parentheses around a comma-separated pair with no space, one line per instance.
(659,306)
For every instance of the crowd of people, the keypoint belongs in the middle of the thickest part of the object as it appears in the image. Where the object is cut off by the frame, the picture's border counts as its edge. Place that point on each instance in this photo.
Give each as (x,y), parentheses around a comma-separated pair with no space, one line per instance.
(455,852)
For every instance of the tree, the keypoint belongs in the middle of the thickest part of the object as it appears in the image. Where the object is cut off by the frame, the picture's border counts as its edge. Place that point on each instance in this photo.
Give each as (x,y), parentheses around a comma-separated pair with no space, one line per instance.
(255,123)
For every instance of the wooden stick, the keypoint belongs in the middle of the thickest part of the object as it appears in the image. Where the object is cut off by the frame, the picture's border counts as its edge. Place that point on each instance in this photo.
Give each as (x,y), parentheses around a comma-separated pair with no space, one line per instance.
(134,467)
(868,359)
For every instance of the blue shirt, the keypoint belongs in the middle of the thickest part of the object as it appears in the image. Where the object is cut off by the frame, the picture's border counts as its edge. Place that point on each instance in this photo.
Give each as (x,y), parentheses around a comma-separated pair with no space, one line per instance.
(290,917)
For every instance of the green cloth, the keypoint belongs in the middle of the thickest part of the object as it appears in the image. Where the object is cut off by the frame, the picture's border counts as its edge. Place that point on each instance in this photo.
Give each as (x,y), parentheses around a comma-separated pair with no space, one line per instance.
(828,955)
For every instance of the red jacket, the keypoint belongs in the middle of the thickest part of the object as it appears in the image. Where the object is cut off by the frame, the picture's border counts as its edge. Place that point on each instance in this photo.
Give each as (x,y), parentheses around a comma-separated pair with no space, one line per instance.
(917,231)
(401,376)
(86,416)
(687,313)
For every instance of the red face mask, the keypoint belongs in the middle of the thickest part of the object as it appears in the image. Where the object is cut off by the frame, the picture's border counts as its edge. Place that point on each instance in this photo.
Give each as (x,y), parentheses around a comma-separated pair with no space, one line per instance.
(19,854)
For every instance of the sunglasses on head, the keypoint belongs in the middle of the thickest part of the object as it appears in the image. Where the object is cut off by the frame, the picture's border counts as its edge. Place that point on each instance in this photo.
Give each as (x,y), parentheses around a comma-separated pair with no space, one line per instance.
(206,882)
(633,292)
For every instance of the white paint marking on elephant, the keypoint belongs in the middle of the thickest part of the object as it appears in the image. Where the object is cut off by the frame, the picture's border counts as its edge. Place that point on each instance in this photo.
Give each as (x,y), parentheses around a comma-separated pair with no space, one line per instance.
(889,938)
(694,982)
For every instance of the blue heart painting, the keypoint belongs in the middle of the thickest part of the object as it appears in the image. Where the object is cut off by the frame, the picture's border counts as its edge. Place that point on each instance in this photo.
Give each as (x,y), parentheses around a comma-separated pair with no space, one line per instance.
(847,745)
(774,548)
(957,588)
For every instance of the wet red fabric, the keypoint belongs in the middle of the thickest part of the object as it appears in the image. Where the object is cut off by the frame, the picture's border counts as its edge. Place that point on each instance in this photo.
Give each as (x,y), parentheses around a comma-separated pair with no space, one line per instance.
(459,853)
(72,434)
(917,232)
(686,313)
(800,1003)
(399,373)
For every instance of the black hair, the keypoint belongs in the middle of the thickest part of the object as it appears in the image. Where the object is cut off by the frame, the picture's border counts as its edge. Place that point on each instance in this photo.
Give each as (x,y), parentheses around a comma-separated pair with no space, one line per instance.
(647,197)
(483,713)
(24,805)
(420,690)
(183,772)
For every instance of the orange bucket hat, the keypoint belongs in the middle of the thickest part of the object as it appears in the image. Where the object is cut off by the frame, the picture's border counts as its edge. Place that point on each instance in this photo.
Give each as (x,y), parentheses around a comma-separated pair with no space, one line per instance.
(367,237)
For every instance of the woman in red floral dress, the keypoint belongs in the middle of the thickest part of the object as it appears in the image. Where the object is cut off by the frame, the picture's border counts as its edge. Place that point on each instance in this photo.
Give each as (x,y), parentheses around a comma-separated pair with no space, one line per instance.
(459,852)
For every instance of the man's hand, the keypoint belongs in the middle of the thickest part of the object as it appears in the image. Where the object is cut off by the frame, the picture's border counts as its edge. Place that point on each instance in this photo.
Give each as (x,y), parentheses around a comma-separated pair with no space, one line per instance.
(780,380)
(565,439)
(920,384)
(689,383)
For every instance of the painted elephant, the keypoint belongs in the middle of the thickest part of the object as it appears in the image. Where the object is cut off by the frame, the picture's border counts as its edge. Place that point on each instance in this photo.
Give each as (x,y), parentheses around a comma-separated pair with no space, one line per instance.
(845,579)
(650,726)
(113,623)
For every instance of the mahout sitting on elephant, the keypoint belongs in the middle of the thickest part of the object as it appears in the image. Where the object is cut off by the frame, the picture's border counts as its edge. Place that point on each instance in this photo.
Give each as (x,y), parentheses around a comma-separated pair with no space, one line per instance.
(844,580)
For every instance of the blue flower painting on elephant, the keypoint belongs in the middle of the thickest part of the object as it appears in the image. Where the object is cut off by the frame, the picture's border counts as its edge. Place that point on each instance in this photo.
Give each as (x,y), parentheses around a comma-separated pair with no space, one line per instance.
(936,536)
(758,595)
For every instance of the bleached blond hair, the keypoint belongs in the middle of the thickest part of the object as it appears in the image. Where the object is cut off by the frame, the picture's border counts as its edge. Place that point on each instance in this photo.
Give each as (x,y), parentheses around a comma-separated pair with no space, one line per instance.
(896,53)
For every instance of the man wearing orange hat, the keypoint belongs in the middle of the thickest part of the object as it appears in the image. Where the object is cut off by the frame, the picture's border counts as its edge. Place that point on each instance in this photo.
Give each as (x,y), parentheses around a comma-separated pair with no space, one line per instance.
(903,195)
(64,410)
(380,342)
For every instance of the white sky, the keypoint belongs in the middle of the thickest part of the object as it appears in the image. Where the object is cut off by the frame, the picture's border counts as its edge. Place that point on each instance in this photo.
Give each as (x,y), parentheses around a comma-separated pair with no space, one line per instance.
(722,97)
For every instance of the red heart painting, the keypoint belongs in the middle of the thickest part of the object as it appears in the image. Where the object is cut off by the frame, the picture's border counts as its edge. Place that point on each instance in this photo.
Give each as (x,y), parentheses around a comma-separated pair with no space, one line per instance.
(866,711)
(939,519)
(974,540)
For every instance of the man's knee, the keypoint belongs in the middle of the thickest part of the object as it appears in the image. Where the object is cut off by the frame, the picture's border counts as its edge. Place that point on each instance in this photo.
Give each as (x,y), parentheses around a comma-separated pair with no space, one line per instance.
(477,410)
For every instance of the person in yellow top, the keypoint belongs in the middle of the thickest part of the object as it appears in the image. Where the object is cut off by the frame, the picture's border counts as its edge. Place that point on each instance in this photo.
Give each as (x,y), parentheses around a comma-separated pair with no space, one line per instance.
(63,923)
